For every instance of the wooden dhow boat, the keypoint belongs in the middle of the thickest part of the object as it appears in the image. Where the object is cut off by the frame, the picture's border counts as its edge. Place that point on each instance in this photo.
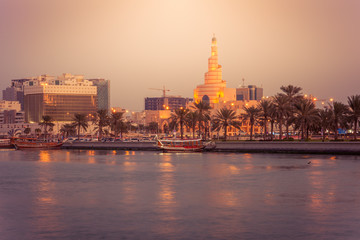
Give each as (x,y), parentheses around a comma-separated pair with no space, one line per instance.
(5,143)
(186,145)
(34,143)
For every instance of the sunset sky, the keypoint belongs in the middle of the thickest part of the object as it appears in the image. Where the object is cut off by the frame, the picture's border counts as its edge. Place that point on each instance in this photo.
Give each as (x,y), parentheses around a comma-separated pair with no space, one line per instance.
(139,45)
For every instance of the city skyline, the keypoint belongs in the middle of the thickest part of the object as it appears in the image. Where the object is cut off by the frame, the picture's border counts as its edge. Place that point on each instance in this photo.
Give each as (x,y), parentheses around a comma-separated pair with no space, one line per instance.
(151,44)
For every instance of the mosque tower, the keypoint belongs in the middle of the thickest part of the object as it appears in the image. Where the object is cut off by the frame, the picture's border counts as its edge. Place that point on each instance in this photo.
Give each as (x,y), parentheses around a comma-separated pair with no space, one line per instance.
(214,88)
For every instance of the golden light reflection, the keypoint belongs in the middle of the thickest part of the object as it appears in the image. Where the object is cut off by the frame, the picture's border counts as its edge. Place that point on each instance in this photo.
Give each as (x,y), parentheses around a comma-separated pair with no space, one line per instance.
(316,201)
(127,153)
(67,159)
(45,198)
(128,164)
(91,160)
(234,169)
(226,198)
(248,156)
(166,167)
(44,156)
(91,153)
(166,157)
(166,192)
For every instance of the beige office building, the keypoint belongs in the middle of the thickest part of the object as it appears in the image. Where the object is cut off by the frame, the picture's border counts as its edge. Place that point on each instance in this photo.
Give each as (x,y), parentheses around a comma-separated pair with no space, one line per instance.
(59,98)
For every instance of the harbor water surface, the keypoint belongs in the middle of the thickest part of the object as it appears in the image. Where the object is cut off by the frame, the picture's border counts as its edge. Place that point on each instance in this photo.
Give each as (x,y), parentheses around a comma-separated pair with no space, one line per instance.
(81,194)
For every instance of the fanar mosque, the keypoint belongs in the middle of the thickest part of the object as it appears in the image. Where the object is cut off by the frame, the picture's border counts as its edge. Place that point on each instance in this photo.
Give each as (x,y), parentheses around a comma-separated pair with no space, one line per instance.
(214,89)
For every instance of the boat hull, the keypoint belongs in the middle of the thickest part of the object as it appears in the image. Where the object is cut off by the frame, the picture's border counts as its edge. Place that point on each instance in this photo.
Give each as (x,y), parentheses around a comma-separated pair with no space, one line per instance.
(187,145)
(180,149)
(38,145)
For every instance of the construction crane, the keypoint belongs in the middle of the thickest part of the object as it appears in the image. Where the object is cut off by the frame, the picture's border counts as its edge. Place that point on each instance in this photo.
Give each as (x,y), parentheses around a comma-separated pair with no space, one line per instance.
(164,90)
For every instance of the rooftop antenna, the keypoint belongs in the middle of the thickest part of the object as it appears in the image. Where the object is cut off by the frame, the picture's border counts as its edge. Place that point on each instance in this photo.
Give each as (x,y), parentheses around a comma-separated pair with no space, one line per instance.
(243,82)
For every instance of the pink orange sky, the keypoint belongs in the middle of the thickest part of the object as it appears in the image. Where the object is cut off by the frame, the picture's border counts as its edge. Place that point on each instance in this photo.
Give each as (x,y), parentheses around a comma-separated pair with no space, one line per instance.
(314,44)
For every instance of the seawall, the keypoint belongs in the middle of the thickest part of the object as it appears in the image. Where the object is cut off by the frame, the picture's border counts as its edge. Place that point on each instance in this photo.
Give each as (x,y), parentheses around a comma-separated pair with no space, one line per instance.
(263,147)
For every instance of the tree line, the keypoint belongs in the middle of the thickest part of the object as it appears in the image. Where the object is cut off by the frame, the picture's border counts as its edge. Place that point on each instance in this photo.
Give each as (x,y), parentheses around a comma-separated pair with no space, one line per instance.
(289,109)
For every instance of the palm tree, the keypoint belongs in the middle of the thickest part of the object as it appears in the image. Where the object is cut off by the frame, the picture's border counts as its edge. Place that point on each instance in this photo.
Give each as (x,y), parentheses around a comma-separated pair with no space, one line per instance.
(265,107)
(101,120)
(293,94)
(251,114)
(153,127)
(68,130)
(225,118)
(305,115)
(201,107)
(179,117)
(354,111)
(325,121)
(191,120)
(282,107)
(121,127)
(338,110)
(273,117)
(46,121)
(80,122)
(207,124)
(115,119)
(38,131)
(27,130)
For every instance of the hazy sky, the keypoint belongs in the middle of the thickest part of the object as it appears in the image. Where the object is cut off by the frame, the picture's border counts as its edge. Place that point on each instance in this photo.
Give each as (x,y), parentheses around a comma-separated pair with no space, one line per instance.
(139,45)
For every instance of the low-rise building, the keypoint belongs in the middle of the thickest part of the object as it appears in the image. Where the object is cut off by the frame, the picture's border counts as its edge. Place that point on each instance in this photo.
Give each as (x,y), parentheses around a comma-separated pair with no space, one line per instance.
(166,103)
(10,112)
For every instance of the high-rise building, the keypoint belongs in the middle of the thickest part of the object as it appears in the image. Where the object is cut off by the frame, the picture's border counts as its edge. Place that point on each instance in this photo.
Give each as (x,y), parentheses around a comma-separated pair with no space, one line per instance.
(214,89)
(103,93)
(249,93)
(60,97)
(166,103)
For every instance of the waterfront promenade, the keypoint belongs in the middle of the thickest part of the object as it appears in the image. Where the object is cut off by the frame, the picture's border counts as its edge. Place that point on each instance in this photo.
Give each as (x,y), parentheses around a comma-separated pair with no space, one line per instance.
(243,146)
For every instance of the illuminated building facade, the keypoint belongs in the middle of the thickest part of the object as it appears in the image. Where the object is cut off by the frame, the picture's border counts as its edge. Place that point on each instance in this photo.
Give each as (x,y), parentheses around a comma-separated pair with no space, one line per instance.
(214,89)
(59,98)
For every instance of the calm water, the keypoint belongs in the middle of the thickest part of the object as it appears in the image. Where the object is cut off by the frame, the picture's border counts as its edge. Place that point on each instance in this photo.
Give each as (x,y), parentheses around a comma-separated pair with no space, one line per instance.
(64,194)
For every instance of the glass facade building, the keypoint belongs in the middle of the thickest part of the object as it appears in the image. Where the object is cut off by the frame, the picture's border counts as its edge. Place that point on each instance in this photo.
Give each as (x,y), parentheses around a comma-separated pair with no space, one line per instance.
(103,93)
(61,107)
(250,93)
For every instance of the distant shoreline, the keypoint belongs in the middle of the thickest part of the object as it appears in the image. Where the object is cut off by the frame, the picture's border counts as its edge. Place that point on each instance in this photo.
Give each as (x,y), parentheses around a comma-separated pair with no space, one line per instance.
(352,148)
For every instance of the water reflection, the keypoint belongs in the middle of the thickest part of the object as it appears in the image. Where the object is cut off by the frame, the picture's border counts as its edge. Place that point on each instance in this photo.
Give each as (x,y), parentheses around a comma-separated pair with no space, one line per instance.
(44,203)
(44,156)
(136,195)
(167,203)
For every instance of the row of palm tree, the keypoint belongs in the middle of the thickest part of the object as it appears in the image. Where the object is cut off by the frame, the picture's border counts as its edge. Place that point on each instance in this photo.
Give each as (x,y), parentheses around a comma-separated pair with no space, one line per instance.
(102,121)
(197,117)
(288,109)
